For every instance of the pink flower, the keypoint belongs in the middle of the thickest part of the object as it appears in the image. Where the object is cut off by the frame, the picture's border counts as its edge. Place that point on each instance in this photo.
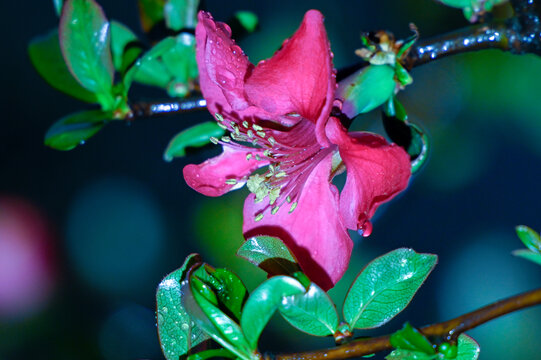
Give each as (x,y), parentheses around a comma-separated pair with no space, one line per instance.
(279,116)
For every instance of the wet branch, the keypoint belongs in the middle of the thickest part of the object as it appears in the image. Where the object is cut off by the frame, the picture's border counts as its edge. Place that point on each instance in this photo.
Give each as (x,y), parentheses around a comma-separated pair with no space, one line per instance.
(445,331)
(520,34)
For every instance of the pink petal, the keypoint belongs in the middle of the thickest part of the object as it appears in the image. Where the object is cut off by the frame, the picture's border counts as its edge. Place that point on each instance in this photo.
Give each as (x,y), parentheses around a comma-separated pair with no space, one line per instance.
(222,66)
(313,231)
(209,178)
(299,77)
(376,172)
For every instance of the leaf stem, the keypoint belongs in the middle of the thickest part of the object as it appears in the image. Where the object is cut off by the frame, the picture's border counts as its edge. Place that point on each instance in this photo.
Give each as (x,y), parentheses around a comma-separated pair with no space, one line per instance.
(447,331)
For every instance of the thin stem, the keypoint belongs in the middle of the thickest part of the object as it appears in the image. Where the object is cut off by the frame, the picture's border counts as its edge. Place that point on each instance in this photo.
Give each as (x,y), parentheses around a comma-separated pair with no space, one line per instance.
(448,331)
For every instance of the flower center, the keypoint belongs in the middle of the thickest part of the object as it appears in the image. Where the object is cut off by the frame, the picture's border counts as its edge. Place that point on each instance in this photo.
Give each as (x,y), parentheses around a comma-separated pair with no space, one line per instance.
(291,155)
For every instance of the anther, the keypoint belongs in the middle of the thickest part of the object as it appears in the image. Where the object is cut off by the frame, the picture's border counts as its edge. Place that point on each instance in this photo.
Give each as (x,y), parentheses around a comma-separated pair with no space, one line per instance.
(248,156)
(219,117)
(245,124)
(261,133)
(231,181)
(259,217)
(257,127)
(275,210)
(226,139)
(214,140)
(293,207)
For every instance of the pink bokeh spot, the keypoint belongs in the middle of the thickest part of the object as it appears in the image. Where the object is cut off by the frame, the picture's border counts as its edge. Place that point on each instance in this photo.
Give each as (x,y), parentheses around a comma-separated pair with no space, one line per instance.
(27,273)
(278,114)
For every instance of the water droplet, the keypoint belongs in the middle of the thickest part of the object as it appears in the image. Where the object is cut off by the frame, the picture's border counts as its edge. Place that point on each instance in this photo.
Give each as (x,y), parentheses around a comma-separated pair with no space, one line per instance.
(185,327)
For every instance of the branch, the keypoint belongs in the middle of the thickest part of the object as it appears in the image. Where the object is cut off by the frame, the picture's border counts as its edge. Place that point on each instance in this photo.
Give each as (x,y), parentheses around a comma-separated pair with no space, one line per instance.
(519,34)
(150,109)
(447,331)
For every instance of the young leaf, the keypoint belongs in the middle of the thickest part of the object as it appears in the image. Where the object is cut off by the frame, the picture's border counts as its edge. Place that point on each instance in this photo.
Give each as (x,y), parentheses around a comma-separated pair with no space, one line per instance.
(468,348)
(270,254)
(149,69)
(121,36)
(262,303)
(176,330)
(231,292)
(209,354)
(385,287)
(529,237)
(528,255)
(312,312)
(405,134)
(58,6)
(181,65)
(196,136)
(46,56)
(75,129)
(200,303)
(181,14)
(366,89)
(84,40)
(248,20)
(408,338)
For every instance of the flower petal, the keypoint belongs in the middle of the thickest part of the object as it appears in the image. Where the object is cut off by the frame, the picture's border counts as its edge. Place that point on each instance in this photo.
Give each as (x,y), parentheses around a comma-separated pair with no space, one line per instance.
(313,231)
(299,77)
(376,172)
(209,178)
(222,66)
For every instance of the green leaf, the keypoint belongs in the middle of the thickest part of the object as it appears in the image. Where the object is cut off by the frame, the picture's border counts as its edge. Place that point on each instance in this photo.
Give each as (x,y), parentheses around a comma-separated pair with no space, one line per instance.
(75,129)
(262,303)
(409,338)
(231,292)
(151,12)
(529,237)
(270,254)
(202,307)
(400,354)
(46,56)
(181,14)
(366,89)
(196,136)
(121,36)
(468,348)
(58,6)
(208,354)
(472,8)
(406,134)
(528,255)
(176,330)
(85,40)
(248,20)
(181,65)
(149,69)
(385,287)
(312,312)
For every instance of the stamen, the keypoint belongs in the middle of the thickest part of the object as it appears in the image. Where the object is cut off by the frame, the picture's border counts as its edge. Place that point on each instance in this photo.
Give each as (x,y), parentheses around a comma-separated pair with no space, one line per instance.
(219,117)
(231,181)
(248,156)
(259,217)
(293,207)
(245,124)
(226,139)
(272,141)
(257,127)
(214,140)
(275,210)
(250,134)
(222,126)
(261,133)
